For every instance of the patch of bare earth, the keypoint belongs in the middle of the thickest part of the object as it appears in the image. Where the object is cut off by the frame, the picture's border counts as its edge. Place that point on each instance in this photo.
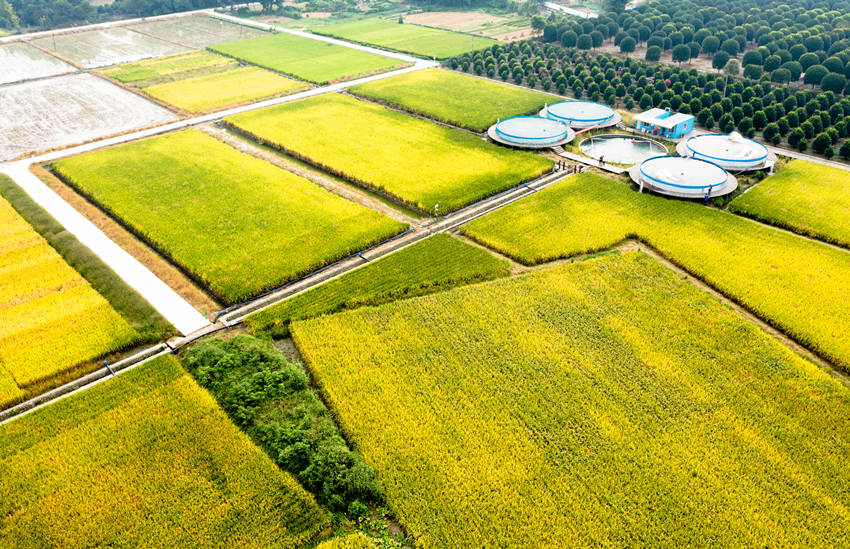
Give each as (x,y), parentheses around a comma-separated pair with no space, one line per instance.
(454,20)
(515,36)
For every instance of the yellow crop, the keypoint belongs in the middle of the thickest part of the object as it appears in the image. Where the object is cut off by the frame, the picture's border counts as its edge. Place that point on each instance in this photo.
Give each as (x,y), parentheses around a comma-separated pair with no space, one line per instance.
(51,319)
(145,460)
(795,284)
(607,402)
(351,541)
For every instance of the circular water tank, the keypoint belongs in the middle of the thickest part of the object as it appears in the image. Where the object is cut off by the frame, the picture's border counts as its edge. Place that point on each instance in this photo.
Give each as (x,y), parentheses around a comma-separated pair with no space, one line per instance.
(732,151)
(531,132)
(581,114)
(683,176)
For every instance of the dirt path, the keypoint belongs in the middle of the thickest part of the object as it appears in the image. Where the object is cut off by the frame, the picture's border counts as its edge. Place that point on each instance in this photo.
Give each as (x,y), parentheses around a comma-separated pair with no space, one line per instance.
(326,183)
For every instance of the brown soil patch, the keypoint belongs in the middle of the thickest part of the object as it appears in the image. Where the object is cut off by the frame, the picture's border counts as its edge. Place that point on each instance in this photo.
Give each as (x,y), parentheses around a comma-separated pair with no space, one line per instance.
(317,14)
(514,36)
(159,266)
(453,20)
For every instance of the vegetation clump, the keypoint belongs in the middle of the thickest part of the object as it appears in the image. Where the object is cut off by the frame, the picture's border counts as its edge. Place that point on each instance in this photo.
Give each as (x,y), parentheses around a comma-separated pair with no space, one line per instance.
(272,401)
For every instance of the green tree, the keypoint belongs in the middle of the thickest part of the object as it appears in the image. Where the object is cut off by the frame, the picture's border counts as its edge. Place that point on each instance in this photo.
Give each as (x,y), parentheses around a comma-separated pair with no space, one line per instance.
(815,74)
(627,45)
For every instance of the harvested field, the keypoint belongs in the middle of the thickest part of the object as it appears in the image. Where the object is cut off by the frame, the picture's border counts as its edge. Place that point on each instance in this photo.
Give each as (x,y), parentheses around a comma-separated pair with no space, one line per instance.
(606,403)
(66,110)
(805,197)
(413,39)
(474,103)
(51,319)
(172,66)
(307,59)
(414,161)
(237,224)
(435,264)
(224,89)
(22,61)
(466,21)
(145,460)
(103,47)
(197,31)
(796,285)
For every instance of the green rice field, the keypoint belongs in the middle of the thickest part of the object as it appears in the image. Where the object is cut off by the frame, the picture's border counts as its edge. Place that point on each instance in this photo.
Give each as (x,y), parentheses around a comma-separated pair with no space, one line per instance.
(224,89)
(794,284)
(415,39)
(475,103)
(805,197)
(312,60)
(145,460)
(437,263)
(237,224)
(166,67)
(413,161)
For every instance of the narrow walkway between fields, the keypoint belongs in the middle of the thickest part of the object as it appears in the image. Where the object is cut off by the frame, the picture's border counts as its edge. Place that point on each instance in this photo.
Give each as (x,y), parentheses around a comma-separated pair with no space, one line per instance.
(174,308)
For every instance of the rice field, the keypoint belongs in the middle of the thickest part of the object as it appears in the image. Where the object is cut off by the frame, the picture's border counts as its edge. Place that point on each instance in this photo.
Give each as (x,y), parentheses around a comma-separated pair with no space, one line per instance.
(435,264)
(108,46)
(474,103)
(237,224)
(415,39)
(147,459)
(797,285)
(807,198)
(224,89)
(603,403)
(312,60)
(171,67)
(51,319)
(67,110)
(197,31)
(22,61)
(413,161)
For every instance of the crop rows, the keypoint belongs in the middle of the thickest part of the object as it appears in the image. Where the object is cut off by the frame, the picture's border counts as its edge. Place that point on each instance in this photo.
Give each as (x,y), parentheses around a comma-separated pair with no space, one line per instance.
(797,285)
(413,161)
(51,319)
(435,264)
(415,39)
(473,103)
(602,403)
(147,459)
(237,224)
(807,198)
(312,60)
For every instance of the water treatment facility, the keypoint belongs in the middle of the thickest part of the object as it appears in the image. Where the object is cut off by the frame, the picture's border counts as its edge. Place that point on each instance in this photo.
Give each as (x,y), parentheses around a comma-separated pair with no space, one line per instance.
(664,123)
(621,149)
(580,115)
(733,152)
(683,177)
(530,132)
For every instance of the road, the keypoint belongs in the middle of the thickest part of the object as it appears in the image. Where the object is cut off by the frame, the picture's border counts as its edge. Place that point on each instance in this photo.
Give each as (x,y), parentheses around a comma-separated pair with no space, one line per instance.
(185,318)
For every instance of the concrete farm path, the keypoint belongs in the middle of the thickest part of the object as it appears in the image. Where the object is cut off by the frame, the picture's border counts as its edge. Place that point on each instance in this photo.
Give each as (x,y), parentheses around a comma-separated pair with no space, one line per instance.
(185,318)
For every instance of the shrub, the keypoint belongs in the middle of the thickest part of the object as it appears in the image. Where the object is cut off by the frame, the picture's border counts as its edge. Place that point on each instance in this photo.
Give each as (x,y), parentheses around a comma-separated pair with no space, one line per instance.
(271,399)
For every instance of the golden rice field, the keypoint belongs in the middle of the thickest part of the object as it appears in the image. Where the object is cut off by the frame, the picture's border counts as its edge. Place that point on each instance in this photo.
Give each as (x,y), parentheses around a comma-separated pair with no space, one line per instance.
(351,541)
(224,89)
(795,284)
(51,319)
(413,161)
(805,197)
(167,67)
(607,402)
(145,460)
(239,225)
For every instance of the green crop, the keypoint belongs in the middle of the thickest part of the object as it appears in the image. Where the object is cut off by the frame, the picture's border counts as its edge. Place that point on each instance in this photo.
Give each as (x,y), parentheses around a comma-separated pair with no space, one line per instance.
(797,285)
(437,263)
(416,39)
(413,161)
(307,59)
(472,103)
(605,403)
(236,223)
(145,460)
(808,198)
